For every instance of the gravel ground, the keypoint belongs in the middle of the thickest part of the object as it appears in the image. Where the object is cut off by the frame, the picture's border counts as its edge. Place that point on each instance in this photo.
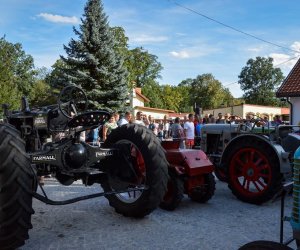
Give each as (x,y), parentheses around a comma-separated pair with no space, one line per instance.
(222,223)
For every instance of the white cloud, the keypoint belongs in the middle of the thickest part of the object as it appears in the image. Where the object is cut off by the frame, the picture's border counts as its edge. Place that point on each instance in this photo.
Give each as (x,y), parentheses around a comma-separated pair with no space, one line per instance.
(181,54)
(287,61)
(144,39)
(59,18)
(193,52)
(296,46)
(283,60)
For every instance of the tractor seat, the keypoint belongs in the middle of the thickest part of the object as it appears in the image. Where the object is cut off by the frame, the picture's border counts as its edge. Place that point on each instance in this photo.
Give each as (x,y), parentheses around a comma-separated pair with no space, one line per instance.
(89,119)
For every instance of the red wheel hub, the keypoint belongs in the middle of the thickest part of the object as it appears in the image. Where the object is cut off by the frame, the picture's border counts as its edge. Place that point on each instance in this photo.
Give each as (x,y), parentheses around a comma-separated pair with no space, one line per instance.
(250,171)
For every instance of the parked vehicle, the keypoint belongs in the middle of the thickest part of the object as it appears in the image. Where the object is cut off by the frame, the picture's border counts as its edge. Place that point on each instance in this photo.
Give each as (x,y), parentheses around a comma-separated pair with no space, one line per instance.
(294,219)
(191,173)
(130,166)
(254,160)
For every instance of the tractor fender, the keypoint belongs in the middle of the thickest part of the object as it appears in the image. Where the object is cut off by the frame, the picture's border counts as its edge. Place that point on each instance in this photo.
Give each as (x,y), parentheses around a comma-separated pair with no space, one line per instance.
(282,156)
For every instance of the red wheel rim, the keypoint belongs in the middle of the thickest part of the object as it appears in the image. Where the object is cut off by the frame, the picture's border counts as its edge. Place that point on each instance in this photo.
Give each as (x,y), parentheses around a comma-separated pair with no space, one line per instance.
(138,179)
(250,172)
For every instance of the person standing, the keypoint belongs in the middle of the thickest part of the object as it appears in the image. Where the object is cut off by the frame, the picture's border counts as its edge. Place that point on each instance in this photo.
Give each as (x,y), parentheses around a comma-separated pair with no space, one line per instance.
(220,119)
(152,125)
(166,127)
(141,119)
(126,119)
(117,117)
(189,130)
(211,119)
(92,137)
(177,133)
(205,119)
(108,127)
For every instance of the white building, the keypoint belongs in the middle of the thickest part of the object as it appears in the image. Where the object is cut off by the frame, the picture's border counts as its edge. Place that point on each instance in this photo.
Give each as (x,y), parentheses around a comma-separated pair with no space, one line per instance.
(243,110)
(137,103)
(290,88)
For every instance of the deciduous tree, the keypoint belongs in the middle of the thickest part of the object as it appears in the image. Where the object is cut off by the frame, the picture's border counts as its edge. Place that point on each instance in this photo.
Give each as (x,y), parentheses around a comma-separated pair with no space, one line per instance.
(16,73)
(207,92)
(259,80)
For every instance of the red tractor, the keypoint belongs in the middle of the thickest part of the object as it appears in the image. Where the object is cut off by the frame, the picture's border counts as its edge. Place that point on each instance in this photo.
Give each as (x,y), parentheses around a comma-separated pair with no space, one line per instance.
(191,173)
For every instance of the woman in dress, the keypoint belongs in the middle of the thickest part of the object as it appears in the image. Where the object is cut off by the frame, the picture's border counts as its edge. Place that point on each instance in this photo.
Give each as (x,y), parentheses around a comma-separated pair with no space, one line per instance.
(108,127)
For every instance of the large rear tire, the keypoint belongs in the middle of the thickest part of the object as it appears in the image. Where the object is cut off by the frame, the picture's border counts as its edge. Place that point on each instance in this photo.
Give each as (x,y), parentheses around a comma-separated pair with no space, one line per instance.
(143,163)
(264,245)
(253,173)
(17,182)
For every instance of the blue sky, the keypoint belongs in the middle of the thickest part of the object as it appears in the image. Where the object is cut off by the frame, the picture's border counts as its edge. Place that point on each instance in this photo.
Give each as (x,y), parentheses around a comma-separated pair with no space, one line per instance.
(185,43)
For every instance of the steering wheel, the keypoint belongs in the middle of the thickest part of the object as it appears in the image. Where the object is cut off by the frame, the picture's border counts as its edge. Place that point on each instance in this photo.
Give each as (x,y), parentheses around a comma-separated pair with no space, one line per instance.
(244,127)
(72,101)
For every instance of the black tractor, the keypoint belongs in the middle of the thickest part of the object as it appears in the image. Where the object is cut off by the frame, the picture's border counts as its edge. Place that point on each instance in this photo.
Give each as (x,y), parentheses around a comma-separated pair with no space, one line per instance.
(130,165)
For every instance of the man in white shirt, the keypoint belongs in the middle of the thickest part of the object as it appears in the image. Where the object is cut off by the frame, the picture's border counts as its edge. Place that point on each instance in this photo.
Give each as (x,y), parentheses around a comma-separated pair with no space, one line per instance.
(141,119)
(189,131)
(126,119)
(166,127)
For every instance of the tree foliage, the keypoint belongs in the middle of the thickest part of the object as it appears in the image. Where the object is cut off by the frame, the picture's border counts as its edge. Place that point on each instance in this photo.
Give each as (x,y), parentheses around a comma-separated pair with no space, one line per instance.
(259,80)
(121,41)
(207,92)
(41,93)
(153,91)
(57,78)
(16,73)
(92,61)
(143,67)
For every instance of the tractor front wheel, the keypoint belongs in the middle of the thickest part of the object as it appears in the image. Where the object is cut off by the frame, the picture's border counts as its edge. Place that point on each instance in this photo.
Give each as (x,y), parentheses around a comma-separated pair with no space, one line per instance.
(206,191)
(253,172)
(174,193)
(17,182)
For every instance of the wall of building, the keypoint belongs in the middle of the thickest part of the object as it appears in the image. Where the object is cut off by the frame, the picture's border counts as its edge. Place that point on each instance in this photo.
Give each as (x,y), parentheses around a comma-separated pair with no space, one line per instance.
(296,107)
(261,111)
(244,109)
(137,101)
(159,115)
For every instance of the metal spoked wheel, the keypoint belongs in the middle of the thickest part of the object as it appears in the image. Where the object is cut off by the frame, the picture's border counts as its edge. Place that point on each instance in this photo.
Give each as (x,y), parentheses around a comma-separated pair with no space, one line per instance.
(253,174)
(251,171)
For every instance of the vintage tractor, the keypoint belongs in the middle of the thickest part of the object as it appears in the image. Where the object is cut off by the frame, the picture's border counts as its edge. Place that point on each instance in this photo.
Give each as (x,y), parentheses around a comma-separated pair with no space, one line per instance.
(254,160)
(191,173)
(130,166)
(294,219)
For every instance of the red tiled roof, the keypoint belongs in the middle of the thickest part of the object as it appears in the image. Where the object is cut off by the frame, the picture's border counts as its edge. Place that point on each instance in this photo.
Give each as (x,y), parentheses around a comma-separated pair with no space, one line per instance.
(154,109)
(138,91)
(291,85)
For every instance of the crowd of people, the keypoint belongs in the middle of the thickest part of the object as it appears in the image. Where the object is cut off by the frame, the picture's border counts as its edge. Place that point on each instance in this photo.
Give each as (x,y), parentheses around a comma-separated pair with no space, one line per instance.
(186,130)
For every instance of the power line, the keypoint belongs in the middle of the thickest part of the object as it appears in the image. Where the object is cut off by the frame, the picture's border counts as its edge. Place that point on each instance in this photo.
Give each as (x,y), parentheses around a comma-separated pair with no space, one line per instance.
(231,27)
(273,66)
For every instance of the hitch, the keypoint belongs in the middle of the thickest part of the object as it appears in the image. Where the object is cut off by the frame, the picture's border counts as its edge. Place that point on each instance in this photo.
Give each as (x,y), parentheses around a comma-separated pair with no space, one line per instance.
(48,201)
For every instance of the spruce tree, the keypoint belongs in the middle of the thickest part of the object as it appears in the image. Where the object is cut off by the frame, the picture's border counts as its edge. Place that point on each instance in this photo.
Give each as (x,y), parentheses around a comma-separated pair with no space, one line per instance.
(92,62)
